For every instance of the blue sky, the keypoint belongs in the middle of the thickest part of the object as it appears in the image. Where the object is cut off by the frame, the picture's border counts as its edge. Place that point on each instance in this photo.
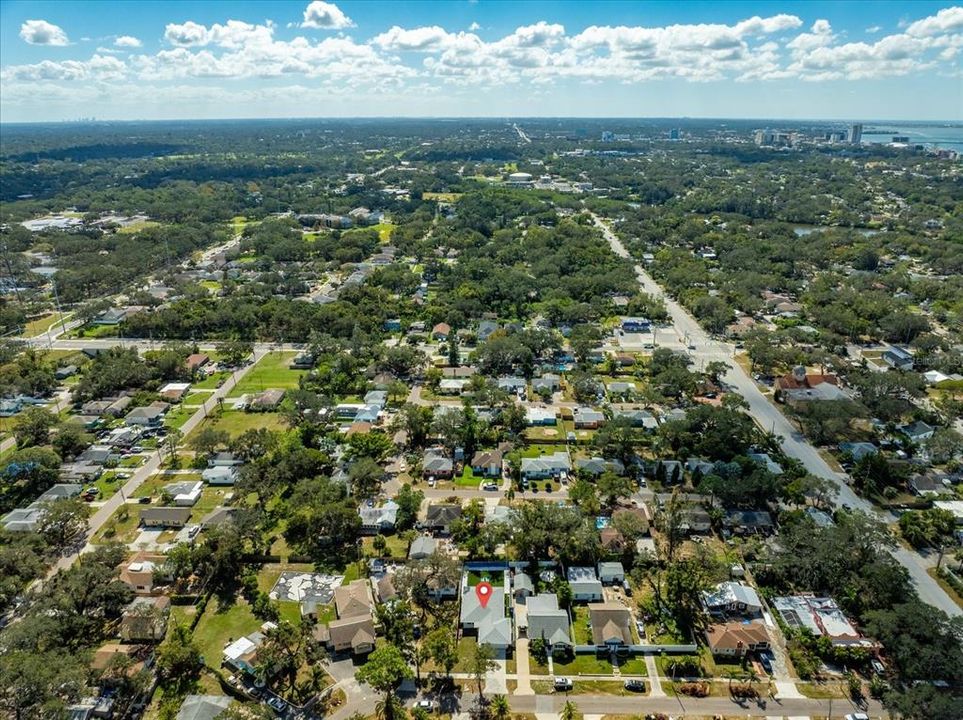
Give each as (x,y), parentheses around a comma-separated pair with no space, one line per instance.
(165,60)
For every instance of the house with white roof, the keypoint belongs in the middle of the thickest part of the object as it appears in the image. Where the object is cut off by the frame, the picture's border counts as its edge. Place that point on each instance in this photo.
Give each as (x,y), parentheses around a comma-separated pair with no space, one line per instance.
(585,584)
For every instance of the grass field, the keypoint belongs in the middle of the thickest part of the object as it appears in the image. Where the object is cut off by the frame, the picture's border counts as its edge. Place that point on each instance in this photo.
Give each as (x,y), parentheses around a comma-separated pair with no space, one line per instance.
(212,381)
(467,479)
(384,230)
(218,625)
(584,665)
(442,196)
(272,371)
(42,324)
(122,526)
(137,227)
(176,417)
(236,422)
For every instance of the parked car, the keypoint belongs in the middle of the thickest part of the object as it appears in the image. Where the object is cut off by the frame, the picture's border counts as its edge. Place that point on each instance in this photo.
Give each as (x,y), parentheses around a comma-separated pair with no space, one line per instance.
(490,486)
(428,705)
(144,500)
(277,704)
(877,667)
(766,660)
(857,716)
(562,683)
(635,685)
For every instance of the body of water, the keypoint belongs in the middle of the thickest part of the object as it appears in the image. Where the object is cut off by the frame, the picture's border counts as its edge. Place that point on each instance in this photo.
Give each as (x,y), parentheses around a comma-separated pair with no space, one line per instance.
(948,137)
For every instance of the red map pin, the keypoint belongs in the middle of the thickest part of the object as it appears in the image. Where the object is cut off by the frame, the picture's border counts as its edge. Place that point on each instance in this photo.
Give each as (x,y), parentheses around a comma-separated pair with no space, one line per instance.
(484,592)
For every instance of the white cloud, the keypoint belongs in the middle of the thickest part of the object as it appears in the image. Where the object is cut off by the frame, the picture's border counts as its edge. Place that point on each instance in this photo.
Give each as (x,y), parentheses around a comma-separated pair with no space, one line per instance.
(325,16)
(127,41)
(474,26)
(420,39)
(189,34)
(873,29)
(947,20)
(99,67)
(766,26)
(40,32)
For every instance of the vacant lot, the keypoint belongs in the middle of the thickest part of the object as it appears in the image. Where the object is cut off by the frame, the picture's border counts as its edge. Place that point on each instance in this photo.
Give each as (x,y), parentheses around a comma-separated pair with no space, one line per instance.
(272,371)
(236,422)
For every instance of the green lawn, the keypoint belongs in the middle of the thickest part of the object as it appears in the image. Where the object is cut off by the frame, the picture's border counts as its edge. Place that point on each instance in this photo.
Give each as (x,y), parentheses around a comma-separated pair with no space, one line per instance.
(584,665)
(581,629)
(633,666)
(152,485)
(219,626)
(177,416)
(397,547)
(122,526)
(196,399)
(211,497)
(42,324)
(212,381)
(467,479)
(236,422)
(384,230)
(495,579)
(272,371)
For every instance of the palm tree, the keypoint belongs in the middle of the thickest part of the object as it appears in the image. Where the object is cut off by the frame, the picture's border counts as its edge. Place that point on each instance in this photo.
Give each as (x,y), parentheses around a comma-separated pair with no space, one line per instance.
(390,707)
(498,707)
(569,712)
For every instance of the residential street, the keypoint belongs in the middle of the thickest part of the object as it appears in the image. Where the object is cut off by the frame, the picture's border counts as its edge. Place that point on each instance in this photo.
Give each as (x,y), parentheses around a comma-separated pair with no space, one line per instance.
(768,417)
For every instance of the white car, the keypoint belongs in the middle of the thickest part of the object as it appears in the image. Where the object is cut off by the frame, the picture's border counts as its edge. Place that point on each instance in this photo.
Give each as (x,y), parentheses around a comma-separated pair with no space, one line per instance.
(857,716)
(562,683)
(428,705)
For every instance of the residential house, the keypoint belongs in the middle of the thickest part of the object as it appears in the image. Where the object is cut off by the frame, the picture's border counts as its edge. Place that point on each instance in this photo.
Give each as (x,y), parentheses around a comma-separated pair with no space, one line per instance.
(898,358)
(62,373)
(487,620)
(512,384)
(441,331)
(220,475)
(22,520)
(611,540)
(452,386)
(219,516)
(203,707)
(918,431)
(522,586)
(801,387)
(595,466)
(174,391)
(351,634)
(585,584)
(732,598)
(196,361)
(638,417)
(549,623)
(821,616)
(748,521)
(147,416)
(436,464)
(549,382)
(145,619)
(636,325)
(930,485)
(241,654)
(611,573)
(487,463)
(375,520)
(546,466)
(439,518)
(267,400)
(858,450)
(422,547)
(588,418)
(611,625)
(485,329)
(764,459)
(353,599)
(735,639)
(145,572)
(184,494)
(539,416)
(165,517)
(620,389)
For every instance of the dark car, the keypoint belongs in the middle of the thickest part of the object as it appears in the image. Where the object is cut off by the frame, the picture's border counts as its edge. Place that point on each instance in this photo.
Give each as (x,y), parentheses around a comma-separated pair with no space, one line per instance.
(766,660)
(144,500)
(635,685)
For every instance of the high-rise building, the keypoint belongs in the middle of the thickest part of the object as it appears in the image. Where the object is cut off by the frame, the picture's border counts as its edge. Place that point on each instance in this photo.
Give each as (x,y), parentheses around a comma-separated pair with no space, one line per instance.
(674,133)
(856,134)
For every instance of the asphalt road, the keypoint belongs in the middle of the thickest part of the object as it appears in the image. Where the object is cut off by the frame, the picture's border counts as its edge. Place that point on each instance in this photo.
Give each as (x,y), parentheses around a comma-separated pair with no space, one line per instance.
(768,417)
(103,513)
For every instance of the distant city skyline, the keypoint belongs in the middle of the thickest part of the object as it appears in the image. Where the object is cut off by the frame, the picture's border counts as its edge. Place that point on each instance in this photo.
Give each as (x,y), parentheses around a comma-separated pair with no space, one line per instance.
(810,61)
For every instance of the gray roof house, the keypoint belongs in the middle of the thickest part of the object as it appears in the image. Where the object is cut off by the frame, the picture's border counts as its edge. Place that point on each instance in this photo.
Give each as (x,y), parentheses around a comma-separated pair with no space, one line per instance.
(488,621)
(548,622)
(522,585)
(375,520)
(732,598)
(585,584)
(203,707)
(548,381)
(611,572)
(596,466)
(545,466)
(917,431)
(421,547)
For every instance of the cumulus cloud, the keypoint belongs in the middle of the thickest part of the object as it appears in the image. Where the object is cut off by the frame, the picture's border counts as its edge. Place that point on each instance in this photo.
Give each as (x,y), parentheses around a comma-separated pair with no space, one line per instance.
(325,16)
(187,34)
(474,26)
(753,49)
(947,20)
(40,32)
(873,29)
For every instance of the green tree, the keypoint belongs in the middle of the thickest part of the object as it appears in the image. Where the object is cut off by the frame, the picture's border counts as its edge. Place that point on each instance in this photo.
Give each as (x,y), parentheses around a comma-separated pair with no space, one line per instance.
(32,427)
(612,487)
(481,661)
(385,670)
(63,522)
(178,657)
(71,440)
